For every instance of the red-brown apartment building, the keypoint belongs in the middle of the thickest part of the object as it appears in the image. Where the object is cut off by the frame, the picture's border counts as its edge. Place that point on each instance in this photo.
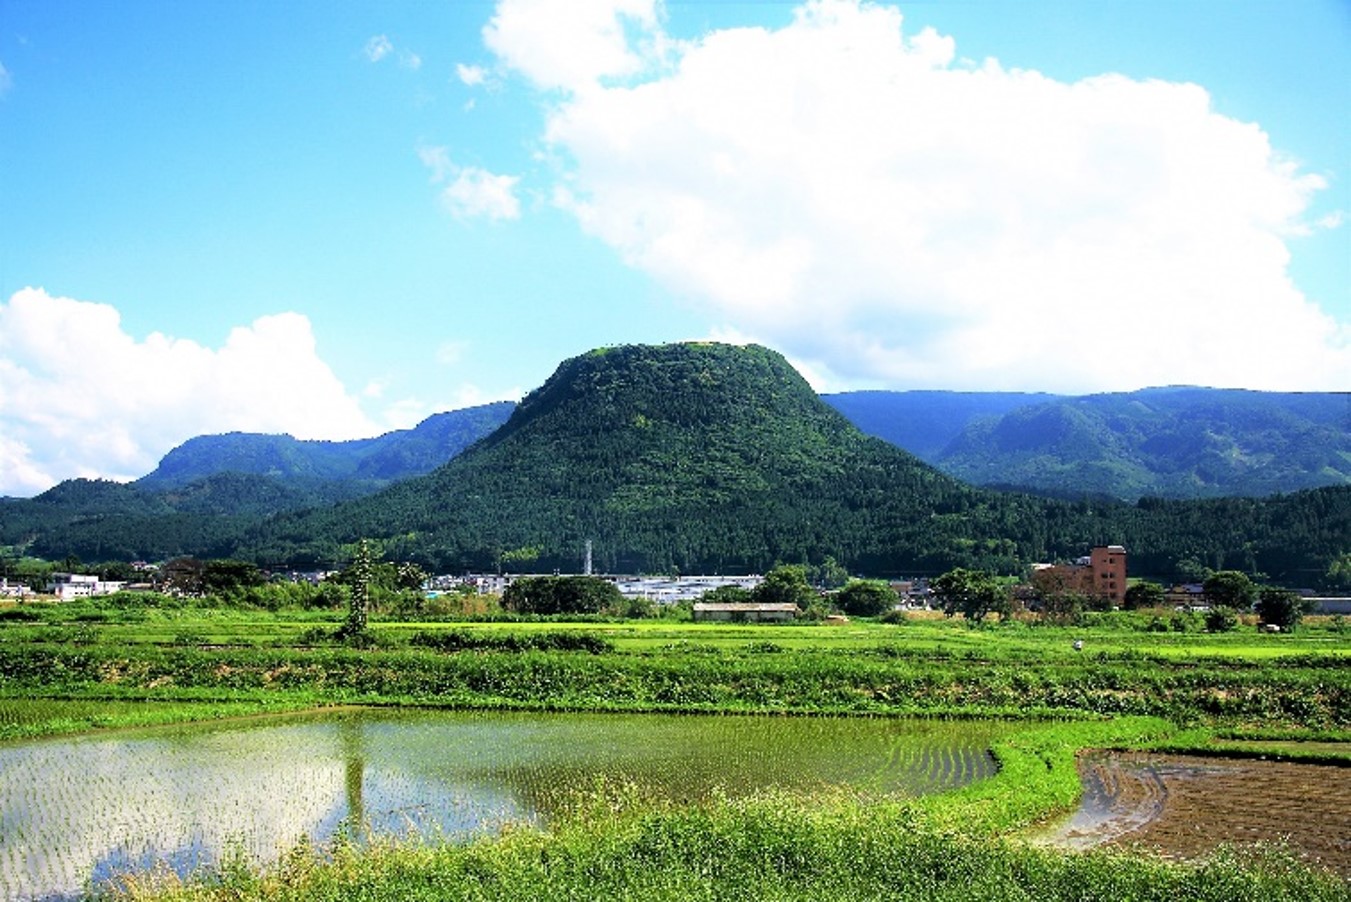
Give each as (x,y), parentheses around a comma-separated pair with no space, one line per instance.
(1102,574)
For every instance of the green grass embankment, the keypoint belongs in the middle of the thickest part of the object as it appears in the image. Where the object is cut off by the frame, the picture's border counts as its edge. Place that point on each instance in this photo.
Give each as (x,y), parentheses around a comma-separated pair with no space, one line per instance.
(1309,692)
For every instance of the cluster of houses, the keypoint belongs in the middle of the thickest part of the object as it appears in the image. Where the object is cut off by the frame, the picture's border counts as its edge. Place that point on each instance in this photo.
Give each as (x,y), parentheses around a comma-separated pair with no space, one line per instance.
(1101,574)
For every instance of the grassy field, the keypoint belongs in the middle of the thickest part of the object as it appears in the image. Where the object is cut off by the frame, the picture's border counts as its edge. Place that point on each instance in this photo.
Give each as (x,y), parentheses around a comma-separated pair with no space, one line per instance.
(111,663)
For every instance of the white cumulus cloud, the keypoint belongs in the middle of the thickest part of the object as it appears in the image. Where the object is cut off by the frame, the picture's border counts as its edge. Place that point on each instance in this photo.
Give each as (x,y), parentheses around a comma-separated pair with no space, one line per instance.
(477,192)
(574,43)
(471,192)
(471,76)
(81,397)
(857,196)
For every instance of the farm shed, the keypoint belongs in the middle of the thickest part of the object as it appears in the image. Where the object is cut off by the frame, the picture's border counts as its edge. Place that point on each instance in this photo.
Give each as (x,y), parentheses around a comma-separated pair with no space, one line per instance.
(744,611)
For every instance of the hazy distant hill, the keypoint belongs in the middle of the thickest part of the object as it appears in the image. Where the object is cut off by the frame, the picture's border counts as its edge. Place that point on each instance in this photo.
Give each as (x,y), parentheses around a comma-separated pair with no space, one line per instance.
(925,422)
(208,490)
(371,462)
(1164,442)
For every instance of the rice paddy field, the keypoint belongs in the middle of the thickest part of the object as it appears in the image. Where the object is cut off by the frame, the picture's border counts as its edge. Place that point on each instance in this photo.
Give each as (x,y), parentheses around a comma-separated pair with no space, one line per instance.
(158,751)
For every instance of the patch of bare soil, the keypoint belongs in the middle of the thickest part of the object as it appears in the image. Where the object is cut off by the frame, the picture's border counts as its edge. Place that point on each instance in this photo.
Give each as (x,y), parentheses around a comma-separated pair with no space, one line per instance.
(1182,807)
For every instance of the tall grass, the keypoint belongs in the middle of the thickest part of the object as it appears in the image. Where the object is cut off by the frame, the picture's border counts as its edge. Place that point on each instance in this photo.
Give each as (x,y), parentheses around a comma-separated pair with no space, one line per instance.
(1312,693)
(765,848)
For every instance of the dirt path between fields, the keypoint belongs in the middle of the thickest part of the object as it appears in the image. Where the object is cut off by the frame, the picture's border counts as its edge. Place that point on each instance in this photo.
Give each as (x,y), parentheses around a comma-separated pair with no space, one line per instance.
(1181,806)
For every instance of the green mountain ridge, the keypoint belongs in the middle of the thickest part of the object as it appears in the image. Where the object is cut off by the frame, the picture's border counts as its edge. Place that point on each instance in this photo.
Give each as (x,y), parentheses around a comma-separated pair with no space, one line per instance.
(370,462)
(712,458)
(1176,443)
(729,444)
(1172,442)
(211,488)
(691,457)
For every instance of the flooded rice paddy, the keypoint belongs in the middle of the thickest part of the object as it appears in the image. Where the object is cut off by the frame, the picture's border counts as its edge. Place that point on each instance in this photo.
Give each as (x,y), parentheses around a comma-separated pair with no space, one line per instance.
(1183,806)
(75,812)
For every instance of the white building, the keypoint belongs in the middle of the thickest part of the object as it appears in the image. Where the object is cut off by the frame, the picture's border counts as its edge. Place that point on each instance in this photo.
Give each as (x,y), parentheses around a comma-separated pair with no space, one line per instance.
(8,591)
(66,586)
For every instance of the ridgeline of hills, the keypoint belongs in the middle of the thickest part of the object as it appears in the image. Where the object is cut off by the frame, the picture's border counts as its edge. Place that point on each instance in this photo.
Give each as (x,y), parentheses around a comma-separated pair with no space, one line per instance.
(1179,442)
(211,488)
(350,468)
(691,457)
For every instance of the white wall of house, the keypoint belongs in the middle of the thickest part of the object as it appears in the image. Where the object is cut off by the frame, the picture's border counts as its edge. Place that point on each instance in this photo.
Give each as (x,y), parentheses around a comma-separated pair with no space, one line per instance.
(66,586)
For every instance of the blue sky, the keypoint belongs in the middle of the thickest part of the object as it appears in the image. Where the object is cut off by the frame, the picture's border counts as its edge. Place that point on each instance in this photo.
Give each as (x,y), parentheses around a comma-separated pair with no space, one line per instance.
(334,219)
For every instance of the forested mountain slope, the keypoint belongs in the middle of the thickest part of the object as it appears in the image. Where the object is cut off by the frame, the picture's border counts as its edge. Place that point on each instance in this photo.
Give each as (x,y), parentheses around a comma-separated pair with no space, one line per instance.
(1177,442)
(690,456)
(371,462)
(208,490)
(707,457)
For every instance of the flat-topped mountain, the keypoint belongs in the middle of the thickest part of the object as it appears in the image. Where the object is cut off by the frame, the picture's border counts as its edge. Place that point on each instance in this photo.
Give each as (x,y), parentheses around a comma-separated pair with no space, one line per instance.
(689,456)
(714,458)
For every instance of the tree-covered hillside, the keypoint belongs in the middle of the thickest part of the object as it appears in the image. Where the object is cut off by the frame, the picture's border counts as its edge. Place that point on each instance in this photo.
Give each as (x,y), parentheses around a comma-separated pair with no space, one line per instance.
(1164,442)
(206,492)
(367,463)
(692,457)
(706,457)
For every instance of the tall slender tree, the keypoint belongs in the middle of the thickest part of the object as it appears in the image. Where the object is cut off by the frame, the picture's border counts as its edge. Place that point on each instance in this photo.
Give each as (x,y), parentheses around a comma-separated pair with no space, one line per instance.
(358,599)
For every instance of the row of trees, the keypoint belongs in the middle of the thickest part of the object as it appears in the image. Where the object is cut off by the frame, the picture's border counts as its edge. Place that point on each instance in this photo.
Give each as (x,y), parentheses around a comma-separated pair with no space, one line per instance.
(976,594)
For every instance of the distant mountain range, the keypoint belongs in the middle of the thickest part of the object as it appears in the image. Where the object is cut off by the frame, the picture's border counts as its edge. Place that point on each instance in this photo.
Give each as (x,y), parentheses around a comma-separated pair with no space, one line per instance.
(1179,442)
(364,464)
(711,457)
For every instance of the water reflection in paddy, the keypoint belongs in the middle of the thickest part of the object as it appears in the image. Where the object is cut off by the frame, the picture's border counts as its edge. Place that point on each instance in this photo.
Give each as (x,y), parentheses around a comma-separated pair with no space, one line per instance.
(81,809)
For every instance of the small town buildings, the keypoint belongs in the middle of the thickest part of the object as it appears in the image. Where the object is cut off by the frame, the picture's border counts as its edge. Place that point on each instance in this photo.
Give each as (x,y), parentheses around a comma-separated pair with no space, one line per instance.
(1189,596)
(13,591)
(744,611)
(1101,574)
(66,586)
(660,590)
(1328,605)
(669,590)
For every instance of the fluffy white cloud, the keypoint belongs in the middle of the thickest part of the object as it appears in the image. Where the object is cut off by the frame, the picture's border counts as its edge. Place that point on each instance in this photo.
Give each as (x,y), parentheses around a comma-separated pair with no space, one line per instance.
(471,75)
(854,196)
(472,192)
(573,43)
(408,412)
(81,397)
(477,192)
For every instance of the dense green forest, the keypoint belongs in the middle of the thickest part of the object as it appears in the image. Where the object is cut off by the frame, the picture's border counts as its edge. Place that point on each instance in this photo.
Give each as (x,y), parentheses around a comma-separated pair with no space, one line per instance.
(369,464)
(1178,442)
(208,490)
(685,458)
(705,457)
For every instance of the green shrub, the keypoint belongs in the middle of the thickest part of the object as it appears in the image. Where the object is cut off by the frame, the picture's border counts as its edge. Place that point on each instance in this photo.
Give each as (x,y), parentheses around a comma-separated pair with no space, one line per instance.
(1221,619)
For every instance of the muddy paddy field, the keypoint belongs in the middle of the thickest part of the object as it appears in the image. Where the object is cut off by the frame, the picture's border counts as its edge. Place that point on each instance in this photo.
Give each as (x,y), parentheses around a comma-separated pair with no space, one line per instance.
(1187,806)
